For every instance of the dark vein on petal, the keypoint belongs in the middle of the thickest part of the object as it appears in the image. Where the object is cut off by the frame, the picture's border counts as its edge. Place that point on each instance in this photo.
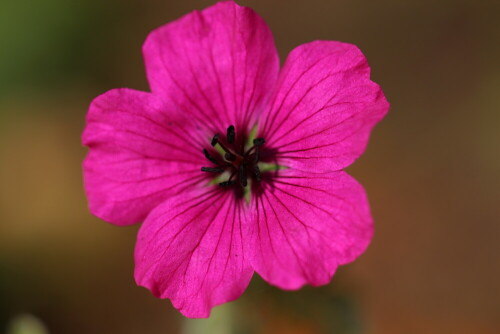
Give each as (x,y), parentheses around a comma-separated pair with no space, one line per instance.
(319,190)
(278,259)
(286,237)
(252,102)
(150,194)
(219,87)
(189,254)
(285,97)
(351,134)
(292,109)
(176,235)
(140,158)
(127,148)
(160,125)
(306,226)
(229,253)
(202,199)
(210,223)
(202,93)
(243,89)
(350,204)
(306,202)
(333,126)
(243,255)
(233,61)
(184,149)
(152,178)
(186,95)
(309,117)
(216,248)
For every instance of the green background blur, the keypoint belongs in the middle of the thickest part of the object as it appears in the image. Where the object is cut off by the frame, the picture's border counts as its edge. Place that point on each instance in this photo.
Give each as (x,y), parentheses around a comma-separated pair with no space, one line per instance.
(431,172)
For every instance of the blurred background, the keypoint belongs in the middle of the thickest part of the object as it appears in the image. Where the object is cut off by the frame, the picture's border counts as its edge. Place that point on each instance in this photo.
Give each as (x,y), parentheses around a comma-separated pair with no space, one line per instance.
(431,172)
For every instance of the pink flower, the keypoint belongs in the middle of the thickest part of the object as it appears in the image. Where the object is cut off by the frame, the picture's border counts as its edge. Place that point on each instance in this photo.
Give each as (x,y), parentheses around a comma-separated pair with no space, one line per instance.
(234,166)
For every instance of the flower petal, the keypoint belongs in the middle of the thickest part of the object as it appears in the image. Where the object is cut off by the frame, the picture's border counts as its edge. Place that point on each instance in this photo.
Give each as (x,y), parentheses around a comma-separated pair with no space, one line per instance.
(307,225)
(324,108)
(191,250)
(218,64)
(138,156)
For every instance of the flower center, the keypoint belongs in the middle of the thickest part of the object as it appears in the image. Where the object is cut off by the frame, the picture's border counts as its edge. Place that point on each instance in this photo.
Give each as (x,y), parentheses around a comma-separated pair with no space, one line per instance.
(240,163)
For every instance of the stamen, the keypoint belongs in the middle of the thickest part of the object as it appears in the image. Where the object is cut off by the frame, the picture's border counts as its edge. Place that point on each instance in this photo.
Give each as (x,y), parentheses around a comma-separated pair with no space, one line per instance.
(256,171)
(226,183)
(212,170)
(230,134)
(243,176)
(256,156)
(215,140)
(259,141)
(209,157)
(239,163)
(229,156)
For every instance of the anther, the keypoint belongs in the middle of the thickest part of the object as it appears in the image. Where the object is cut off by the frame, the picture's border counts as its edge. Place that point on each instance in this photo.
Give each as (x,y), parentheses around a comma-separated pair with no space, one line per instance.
(226,183)
(209,157)
(259,141)
(230,134)
(215,140)
(240,163)
(212,170)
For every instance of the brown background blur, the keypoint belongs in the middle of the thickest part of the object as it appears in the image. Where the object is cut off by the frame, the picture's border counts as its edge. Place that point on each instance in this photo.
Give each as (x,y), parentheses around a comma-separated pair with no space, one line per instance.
(431,171)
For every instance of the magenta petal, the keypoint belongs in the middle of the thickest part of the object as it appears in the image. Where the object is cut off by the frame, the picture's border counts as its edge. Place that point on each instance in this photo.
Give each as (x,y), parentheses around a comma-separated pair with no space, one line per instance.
(308,225)
(191,249)
(218,65)
(138,155)
(324,109)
